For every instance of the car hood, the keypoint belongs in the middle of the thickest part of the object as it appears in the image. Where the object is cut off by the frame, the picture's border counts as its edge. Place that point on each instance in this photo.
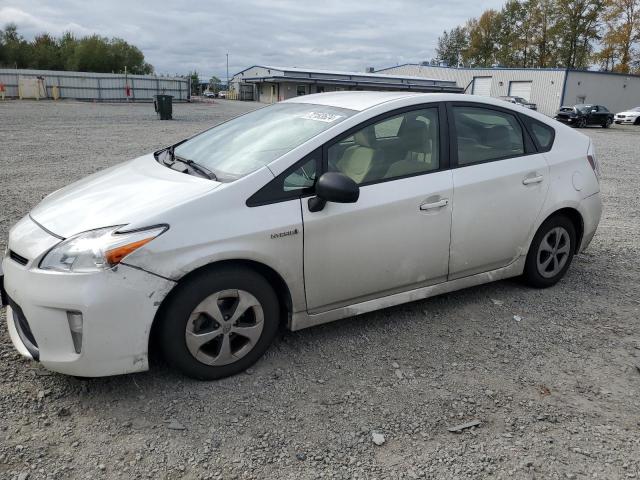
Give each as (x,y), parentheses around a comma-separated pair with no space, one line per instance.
(123,194)
(630,113)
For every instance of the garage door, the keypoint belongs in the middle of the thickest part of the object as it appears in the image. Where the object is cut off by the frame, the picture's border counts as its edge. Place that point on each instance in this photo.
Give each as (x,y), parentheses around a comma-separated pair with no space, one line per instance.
(520,89)
(481,86)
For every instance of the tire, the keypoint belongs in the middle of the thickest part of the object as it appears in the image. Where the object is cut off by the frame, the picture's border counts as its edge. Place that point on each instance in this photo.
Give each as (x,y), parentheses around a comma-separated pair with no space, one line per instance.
(539,271)
(607,123)
(197,333)
(582,123)
(637,122)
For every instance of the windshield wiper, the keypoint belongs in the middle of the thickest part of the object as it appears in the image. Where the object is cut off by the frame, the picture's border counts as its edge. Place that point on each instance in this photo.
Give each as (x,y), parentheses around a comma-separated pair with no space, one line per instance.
(202,170)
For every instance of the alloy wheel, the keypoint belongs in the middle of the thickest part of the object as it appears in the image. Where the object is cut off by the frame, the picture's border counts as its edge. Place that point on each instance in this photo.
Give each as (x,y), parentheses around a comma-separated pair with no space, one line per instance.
(224,327)
(553,252)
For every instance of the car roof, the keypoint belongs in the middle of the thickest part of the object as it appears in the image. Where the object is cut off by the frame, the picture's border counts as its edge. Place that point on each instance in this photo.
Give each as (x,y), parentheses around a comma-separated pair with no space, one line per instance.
(362,100)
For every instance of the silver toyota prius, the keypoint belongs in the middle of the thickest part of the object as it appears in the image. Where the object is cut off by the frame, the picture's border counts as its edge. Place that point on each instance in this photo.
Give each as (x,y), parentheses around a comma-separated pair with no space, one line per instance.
(311,210)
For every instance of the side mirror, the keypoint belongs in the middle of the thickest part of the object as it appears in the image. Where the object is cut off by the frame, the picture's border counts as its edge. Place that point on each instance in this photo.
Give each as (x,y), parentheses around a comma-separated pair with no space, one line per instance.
(334,187)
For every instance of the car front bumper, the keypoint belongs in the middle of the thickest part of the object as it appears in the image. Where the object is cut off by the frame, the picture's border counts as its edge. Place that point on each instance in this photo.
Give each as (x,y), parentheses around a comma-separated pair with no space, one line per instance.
(117,308)
(625,121)
(567,120)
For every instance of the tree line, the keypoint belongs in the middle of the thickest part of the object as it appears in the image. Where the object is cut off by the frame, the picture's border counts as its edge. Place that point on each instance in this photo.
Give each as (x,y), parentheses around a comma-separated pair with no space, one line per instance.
(574,34)
(91,53)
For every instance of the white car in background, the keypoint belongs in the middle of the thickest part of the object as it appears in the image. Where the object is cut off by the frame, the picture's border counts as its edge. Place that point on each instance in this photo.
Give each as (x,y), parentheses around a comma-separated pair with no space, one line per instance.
(629,117)
(307,211)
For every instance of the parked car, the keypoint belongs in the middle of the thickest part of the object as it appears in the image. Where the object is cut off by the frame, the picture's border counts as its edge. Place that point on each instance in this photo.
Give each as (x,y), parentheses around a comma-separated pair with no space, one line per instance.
(631,116)
(209,94)
(222,94)
(583,115)
(314,209)
(519,101)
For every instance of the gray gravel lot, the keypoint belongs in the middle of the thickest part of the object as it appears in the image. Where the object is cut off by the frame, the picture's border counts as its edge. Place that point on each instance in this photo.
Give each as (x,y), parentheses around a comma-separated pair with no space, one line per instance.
(557,393)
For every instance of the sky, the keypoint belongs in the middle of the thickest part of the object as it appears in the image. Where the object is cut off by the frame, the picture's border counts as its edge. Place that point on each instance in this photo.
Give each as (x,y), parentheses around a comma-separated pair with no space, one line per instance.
(178,37)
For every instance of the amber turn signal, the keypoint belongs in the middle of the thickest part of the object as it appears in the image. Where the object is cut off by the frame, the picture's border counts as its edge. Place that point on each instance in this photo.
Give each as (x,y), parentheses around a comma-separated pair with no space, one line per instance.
(115,255)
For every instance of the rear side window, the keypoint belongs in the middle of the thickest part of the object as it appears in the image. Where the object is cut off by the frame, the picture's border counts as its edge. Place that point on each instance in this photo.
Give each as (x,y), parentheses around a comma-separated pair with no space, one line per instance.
(542,134)
(483,135)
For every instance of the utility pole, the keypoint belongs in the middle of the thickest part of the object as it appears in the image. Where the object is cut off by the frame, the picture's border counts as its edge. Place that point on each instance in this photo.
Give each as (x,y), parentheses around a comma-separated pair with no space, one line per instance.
(227,71)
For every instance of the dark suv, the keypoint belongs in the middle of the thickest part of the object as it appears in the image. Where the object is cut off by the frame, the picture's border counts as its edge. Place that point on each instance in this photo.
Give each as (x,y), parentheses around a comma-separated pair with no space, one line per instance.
(582,115)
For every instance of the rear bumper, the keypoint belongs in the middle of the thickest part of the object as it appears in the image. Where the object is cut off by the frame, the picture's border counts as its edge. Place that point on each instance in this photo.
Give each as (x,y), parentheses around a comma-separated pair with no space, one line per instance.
(591,211)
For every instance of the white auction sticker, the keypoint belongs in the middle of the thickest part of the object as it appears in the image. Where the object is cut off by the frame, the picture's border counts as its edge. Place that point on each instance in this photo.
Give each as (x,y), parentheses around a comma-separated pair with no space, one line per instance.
(321,117)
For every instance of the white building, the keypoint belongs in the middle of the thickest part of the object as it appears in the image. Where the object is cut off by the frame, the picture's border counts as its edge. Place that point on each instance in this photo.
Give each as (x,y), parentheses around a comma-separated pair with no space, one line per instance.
(273,84)
(547,88)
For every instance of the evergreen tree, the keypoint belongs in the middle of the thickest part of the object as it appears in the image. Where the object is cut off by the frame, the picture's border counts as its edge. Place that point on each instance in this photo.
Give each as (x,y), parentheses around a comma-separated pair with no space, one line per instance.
(450,46)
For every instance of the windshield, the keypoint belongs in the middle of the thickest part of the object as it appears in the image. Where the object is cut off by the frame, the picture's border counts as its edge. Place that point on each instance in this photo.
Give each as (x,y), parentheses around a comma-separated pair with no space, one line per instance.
(246,143)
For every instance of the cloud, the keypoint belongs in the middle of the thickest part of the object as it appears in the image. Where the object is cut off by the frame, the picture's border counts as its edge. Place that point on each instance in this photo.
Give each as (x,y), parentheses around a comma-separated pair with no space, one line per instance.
(30,24)
(177,37)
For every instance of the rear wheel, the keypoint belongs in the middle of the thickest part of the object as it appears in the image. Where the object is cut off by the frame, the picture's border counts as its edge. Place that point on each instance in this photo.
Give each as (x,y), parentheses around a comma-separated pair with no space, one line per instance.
(219,323)
(551,252)
(607,123)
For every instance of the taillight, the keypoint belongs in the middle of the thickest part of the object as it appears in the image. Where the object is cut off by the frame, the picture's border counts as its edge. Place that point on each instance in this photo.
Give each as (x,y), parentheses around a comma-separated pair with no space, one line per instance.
(594,165)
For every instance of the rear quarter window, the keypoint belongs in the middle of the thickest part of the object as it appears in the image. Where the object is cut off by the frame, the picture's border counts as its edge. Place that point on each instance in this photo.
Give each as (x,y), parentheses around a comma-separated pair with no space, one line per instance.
(542,134)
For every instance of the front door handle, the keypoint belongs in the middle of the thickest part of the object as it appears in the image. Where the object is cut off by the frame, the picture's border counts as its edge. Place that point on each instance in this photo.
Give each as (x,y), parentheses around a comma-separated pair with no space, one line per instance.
(431,206)
(530,180)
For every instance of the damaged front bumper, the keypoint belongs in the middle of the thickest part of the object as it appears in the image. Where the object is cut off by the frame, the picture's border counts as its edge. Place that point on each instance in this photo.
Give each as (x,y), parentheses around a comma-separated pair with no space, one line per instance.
(88,325)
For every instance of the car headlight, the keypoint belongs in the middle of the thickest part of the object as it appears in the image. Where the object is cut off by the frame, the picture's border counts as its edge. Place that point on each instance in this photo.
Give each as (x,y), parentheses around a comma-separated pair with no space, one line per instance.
(97,250)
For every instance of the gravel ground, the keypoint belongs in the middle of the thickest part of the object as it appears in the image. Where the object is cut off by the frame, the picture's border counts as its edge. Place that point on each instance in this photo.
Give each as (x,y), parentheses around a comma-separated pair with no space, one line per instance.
(556,393)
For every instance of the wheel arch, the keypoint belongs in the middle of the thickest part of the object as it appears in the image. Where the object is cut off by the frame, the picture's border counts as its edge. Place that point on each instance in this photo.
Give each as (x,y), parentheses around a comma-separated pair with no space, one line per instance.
(576,218)
(276,281)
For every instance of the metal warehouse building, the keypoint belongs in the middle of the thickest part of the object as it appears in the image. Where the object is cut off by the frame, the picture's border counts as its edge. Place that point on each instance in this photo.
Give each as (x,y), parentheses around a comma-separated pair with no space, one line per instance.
(274,84)
(548,88)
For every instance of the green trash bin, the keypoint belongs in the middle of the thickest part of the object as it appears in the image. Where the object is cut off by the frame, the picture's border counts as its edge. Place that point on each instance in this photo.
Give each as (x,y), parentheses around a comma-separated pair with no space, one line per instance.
(164,106)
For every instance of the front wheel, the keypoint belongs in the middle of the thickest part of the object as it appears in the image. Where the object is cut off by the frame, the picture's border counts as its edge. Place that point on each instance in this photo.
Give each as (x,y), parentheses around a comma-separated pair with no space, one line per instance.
(582,123)
(551,252)
(219,323)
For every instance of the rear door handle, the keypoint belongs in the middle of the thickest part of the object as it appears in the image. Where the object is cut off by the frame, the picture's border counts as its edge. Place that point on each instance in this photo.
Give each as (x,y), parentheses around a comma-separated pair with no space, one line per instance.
(530,180)
(431,206)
